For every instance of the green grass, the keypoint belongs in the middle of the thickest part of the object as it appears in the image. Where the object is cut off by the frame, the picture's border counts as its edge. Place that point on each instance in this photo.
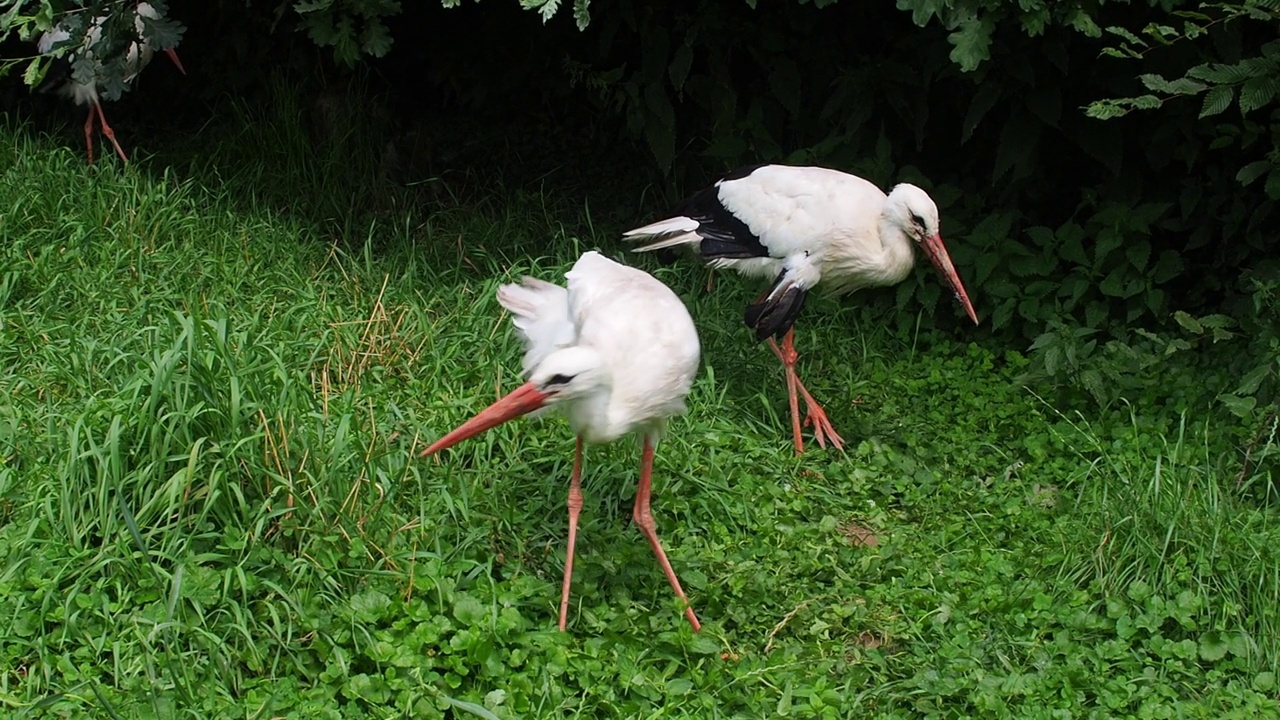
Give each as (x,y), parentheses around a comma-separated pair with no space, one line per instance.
(211,505)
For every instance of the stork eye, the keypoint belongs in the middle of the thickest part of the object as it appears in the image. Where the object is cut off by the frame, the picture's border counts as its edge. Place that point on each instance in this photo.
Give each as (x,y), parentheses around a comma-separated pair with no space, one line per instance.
(919,221)
(559,379)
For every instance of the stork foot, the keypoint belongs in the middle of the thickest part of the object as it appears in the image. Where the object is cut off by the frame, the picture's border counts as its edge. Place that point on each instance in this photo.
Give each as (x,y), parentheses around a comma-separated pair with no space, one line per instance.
(823,431)
(814,415)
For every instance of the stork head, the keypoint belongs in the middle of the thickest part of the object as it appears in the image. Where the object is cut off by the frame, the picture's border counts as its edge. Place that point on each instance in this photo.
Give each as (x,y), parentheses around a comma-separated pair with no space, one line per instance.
(565,374)
(916,215)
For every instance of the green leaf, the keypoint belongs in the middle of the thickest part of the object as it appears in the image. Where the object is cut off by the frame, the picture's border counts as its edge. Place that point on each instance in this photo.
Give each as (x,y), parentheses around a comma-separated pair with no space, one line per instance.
(1042,236)
(1162,33)
(992,229)
(1108,240)
(983,266)
(922,10)
(1127,35)
(1219,73)
(1213,647)
(376,38)
(1145,102)
(35,71)
(1082,22)
(308,6)
(466,706)
(1264,681)
(1155,300)
(678,70)
(1116,283)
(1216,100)
(1186,86)
(703,645)
(581,13)
(469,611)
(1258,92)
(1070,238)
(1105,110)
(370,606)
(1155,83)
(1018,139)
(1272,187)
(1253,379)
(971,44)
(1138,252)
(1241,407)
(1252,171)
(679,686)
(983,100)
(494,698)
(1168,266)
(1239,644)
(1189,322)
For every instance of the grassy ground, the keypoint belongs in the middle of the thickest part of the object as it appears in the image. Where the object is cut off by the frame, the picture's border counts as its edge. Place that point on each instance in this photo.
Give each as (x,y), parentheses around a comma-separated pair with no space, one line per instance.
(210,504)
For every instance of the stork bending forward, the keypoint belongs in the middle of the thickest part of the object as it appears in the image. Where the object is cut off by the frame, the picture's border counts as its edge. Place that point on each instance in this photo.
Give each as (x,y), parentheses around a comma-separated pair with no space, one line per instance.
(616,352)
(801,226)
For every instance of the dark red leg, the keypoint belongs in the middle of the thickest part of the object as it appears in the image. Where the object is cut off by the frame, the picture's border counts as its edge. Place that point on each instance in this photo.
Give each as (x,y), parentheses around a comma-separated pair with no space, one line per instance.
(822,429)
(111,134)
(792,383)
(88,133)
(575,507)
(644,520)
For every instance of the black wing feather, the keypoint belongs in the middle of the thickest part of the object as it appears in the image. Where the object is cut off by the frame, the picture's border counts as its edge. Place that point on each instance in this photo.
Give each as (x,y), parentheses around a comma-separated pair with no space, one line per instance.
(775,316)
(723,234)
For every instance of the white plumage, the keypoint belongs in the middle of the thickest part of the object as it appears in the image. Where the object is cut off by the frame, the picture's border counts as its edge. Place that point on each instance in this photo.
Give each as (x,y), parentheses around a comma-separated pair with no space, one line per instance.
(616,351)
(138,54)
(805,226)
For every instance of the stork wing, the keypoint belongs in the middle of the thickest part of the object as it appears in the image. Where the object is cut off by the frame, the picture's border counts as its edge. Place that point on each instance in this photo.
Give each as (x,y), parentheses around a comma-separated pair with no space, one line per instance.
(541,312)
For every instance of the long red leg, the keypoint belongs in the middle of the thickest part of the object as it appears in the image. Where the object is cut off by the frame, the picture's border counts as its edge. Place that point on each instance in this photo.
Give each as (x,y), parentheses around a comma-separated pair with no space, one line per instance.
(644,520)
(814,414)
(792,383)
(111,134)
(575,507)
(88,133)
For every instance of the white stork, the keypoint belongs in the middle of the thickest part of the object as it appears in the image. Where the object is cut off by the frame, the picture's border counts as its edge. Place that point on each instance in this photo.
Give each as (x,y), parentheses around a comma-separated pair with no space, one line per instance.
(800,226)
(84,91)
(616,351)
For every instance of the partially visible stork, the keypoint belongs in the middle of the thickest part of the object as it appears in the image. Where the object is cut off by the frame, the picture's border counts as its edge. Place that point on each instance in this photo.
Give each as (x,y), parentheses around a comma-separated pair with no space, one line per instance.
(801,226)
(616,352)
(65,80)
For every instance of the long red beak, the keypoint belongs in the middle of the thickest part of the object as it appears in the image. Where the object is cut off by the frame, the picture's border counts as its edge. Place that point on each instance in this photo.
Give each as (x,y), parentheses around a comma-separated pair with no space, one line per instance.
(937,253)
(524,399)
(173,55)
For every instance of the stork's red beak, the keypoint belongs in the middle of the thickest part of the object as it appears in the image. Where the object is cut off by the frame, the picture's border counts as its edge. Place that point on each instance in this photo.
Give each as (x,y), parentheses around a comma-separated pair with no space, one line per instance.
(524,399)
(173,55)
(937,253)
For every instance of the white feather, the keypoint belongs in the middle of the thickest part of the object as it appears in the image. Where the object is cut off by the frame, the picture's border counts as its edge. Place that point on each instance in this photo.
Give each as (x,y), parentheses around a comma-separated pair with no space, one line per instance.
(626,339)
(541,312)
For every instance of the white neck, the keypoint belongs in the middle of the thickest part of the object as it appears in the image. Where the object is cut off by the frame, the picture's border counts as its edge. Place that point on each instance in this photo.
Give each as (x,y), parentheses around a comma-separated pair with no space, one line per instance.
(870,262)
